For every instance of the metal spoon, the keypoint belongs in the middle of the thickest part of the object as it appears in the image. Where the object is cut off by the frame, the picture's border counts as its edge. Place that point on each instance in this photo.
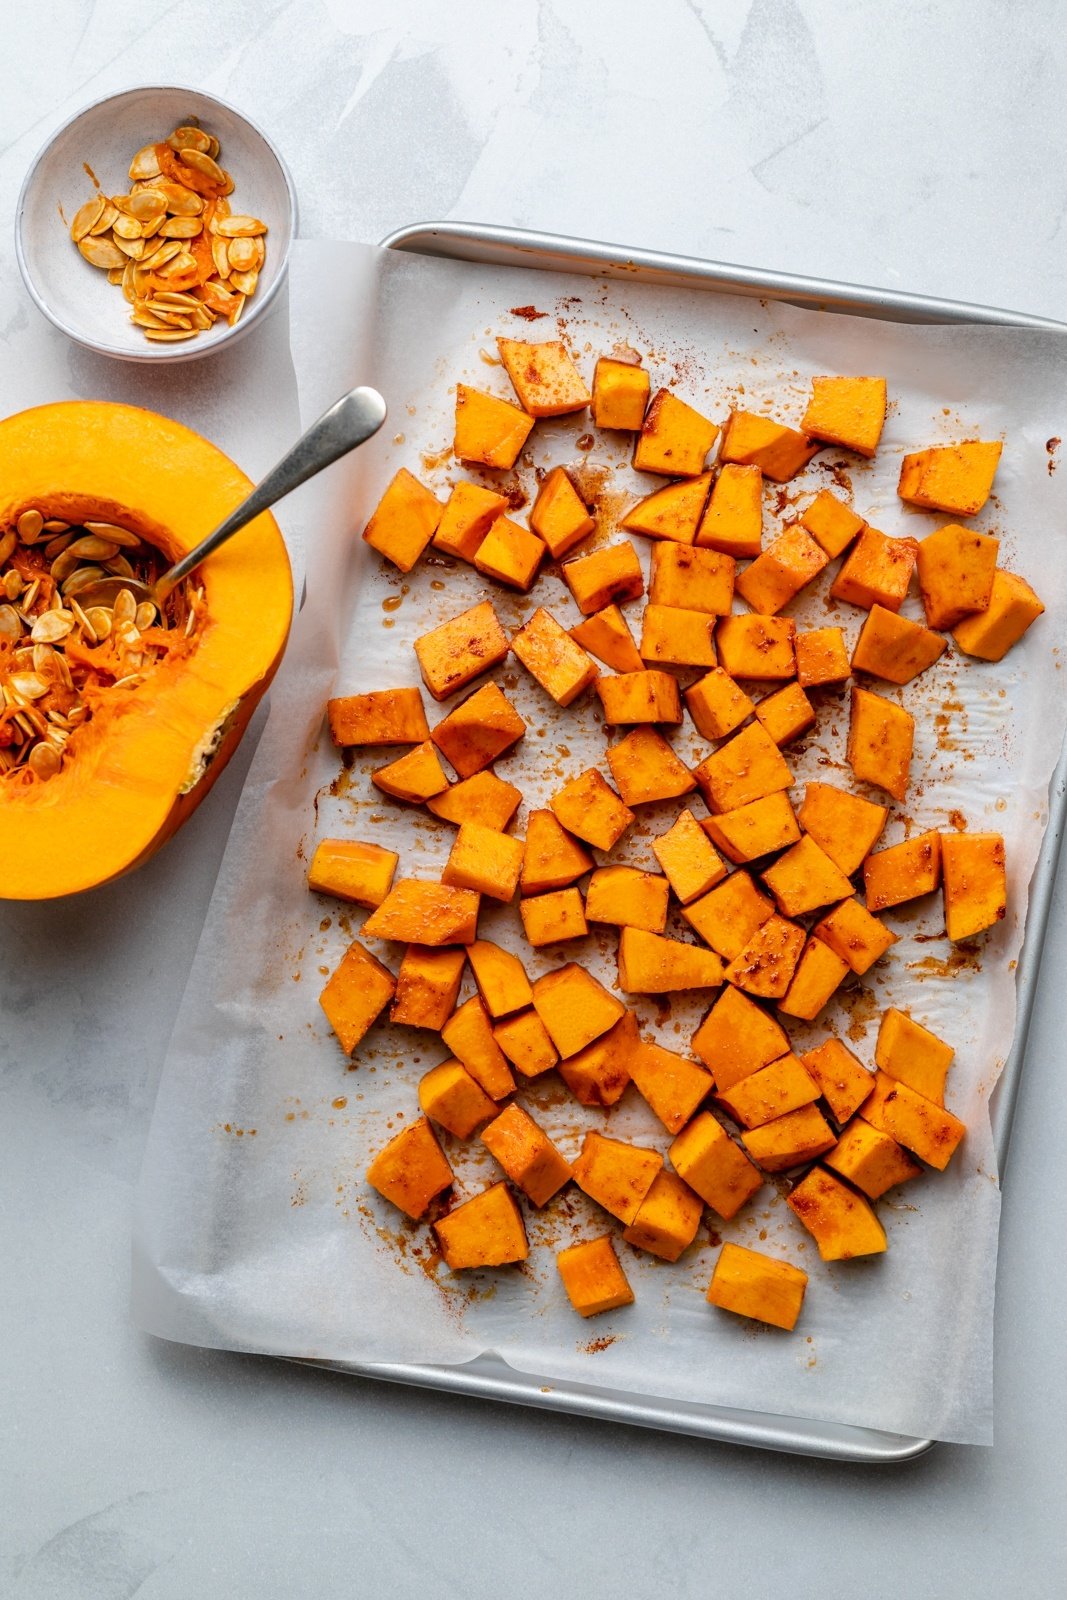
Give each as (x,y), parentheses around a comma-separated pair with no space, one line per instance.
(354,419)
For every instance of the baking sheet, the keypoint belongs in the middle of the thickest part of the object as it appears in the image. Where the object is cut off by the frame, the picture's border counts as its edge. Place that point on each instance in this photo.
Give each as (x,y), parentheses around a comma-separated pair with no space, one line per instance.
(268,1239)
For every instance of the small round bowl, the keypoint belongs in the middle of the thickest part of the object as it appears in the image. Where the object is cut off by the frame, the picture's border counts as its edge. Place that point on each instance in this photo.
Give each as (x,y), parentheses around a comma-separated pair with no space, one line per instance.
(100,142)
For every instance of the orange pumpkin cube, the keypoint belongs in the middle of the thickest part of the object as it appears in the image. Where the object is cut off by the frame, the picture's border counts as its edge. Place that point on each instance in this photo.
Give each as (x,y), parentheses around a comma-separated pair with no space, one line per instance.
(738,1037)
(674,439)
(616,1175)
(449,1095)
(821,657)
(667,1219)
(489,431)
(553,859)
(646,768)
(605,635)
(427,986)
(483,798)
(717,704)
(599,1074)
(414,777)
(591,1274)
(870,1159)
(718,1170)
(650,964)
(351,870)
(484,860)
(956,568)
(633,697)
(551,918)
(919,1124)
(751,1284)
(790,1141)
(876,571)
(733,521)
(1013,606)
(588,807)
(469,513)
(782,1086)
(728,916)
(777,575)
(462,648)
(895,648)
(549,654)
(527,1155)
(786,714)
(755,441)
(766,965)
(501,978)
(625,897)
(955,477)
(469,1035)
(574,1007)
(757,647)
(880,739)
(358,989)
(404,520)
(840,1221)
(689,860)
(385,716)
(478,730)
(510,554)
(411,1169)
(843,1082)
(819,972)
(524,1040)
(545,378)
(747,767)
(913,1055)
(414,912)
(974,882)
(754,830)
(696,580)
(487,1231)
(620,394)
(854,935)
(671,513)
(805,878)
(672,1086)
(831,523)
(847,411)
(559,515)
(673,637)
(903,871)
(612,573)
(844,825)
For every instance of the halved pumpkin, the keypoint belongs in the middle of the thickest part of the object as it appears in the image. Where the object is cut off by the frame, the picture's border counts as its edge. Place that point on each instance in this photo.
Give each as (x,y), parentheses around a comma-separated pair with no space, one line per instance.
(148,753)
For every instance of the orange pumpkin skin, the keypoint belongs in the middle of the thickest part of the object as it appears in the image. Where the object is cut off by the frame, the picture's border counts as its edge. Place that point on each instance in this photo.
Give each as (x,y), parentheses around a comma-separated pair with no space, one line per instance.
(147,756)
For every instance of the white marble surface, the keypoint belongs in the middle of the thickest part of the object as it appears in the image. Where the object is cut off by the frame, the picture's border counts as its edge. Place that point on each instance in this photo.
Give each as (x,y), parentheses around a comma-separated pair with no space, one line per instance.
(917,145)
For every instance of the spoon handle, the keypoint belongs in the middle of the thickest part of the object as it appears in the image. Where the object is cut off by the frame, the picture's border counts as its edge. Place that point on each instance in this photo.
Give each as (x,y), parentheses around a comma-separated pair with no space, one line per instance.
(350,422)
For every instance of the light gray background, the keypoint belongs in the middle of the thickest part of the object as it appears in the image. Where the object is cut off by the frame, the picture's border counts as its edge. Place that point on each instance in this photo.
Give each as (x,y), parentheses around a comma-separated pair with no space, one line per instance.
(919,145)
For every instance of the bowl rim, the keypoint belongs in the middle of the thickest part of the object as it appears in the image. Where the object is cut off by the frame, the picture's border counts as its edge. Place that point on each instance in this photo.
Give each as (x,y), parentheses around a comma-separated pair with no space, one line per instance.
(182,352)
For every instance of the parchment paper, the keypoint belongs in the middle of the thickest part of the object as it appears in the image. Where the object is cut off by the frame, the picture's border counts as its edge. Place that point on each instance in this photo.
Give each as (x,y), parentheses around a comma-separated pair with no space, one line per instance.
(255,1229)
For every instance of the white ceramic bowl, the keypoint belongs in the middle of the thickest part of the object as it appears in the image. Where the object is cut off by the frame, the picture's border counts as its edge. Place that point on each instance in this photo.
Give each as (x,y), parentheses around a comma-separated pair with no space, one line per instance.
(104,137)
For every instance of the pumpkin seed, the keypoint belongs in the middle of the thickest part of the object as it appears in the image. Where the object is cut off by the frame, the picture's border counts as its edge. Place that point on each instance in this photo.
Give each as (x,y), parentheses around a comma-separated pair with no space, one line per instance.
(145,164)
(82,620)
(142,317)
(181,202)
(30,526)
(86,217)
(113,534)
(11,584)
(134,248)
(8,541)
(53,525)
(81,579)
(181,228)
(62,567)
(190,138)
(145,615)
(91,547)
(99,620)
(147,205)
(242,255)
(44,762)
(10,624)
(56,546)
(50,626)
(204,164)
(169,335)
(240,227)
(106,219)
(125,607)
(245,282)
(101,252)
(43,657)
(220,255)
(126,228)
(27,685)
(119,567)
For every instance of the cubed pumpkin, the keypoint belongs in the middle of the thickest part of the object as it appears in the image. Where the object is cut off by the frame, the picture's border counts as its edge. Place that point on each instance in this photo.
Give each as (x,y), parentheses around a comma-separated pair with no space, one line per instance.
(450,1096)
(955,478)
(411,1170)
(486,1231)
(620,394)
(956,568)
(588,807)
(544,377)
(672,1086)
(755,441)
(478,730)
(489,431)
(427,986)
(912,1054)
(469,513)
(903,871)
(696,580)
(733,520)
(746,767)
(755,830)
(728,916)
(404,520)
(352,869)
(782,1086)
(766,965)
(805,878)
(821,657)
(674,439)
(459,650)
(414,912)
(525,1042)
(510,554)
(414,777)
(501,978)
(384,716)
(553,859)
(782,570)
(844,825)
(718,1170)
(483,798)
(484,860)
(637,697)
(689,860)
(831,523)
(606,635)
(847,411)
(645,768)
(674,637)
(549,654)
(559,515)
(973,881)
(626,897)
(786,714)
(920,1125)
(754,1285)
(527,1154)
(612,573)
(468,1033)
(672,513)
(554,917)
(667,1219)
(870,1159)
(651,964)
(819,972)
(880,739)
(598,1074)
(895,648)
(757,647)
(843,1082)
(616,1175)
(990,634)
(592,1276)
(876,571)
(790,1141)
(841,1222)
(358,989)
(853,934)
(574,1007)
(738,1037)
(717,704)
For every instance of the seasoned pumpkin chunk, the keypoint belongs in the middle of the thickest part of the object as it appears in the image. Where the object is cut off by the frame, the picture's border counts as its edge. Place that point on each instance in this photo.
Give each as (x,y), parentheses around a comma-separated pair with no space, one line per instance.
(510,554)
(903,871)
(559,515)
(956,567)
(478,730)
(913,1055)
(880,739)
(956,477)
(805,878)
(483,798)
(649,964)
(844,825)
(620,394)
(427,986)
(357,991)
(449,1095)
(668,1218)
(844,1082)
(591,1273)
(634,697)
(870,1159)
(755,441)
(754,830)
(819,972)
(766,965)
(352,870)
(853,934)
(574,1007)
(628,898)
(671,513)
(672,1086)
(771,1092)
(489,431)
(673,637)
(733,520)
(415,776)
(616,1175)
(609,574)
(599,1074)
(451,655)
(501,978)
(549,654)
(468,1034)
(781,571)
(831,523)
(786,714)
(738,1037)
(840,1221)
(689,860)
(757,647)
(713,1166)
(485,860)
(1013,606)
(414,912)
(717,704)
(553,917)
(974,882)
(403,521)
(789,1141)
(895,648)
(553,859)
(847,411)
(821,657)
(411,1169)
(527,1154)
(876,571)
(524,1040)
(545,378)
(589,808)
(606,635)
(747,767)
(385,716)
(674,439)
(469,513)
(919,1124)
(487,1231)
(750,1284)
(696,580)
(646,768)
(728,916)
